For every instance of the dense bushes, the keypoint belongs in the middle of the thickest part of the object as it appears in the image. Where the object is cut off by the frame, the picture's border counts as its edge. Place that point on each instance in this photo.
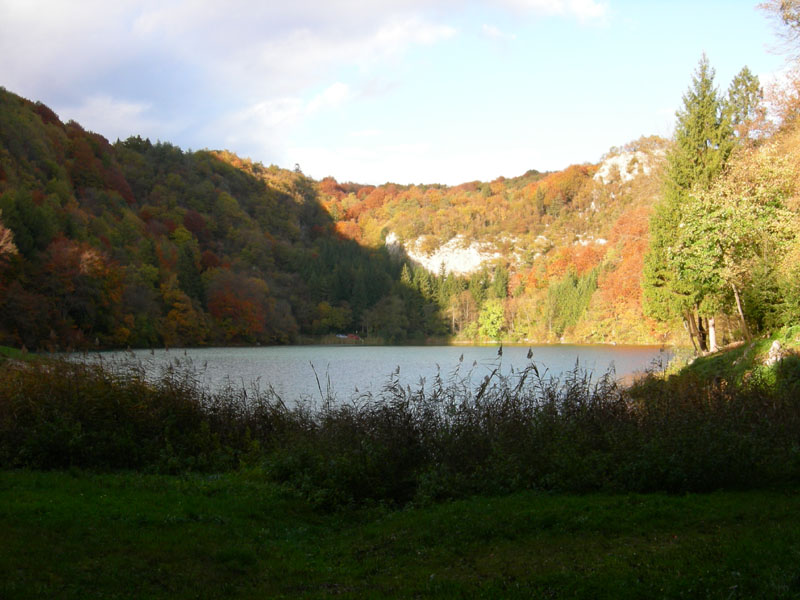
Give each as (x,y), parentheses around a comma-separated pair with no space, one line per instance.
(446,440)
(62,414)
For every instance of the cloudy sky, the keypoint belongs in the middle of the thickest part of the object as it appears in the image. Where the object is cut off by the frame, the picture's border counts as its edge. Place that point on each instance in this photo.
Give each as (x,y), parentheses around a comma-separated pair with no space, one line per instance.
(409,91)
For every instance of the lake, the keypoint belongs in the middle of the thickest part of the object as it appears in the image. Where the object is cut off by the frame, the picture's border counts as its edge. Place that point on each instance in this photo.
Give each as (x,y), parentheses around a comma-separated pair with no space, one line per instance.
(347,369)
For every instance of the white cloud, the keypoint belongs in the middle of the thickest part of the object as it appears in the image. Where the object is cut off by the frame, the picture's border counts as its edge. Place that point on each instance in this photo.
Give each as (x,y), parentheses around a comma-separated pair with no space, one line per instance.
(331,97)
(399,33)
(495,33)
(46,45)
(583,10)
(363,133)
(243,74)
(271,47)
(263,48)
(262,125)
(115,118)
(304,54)
(279,112)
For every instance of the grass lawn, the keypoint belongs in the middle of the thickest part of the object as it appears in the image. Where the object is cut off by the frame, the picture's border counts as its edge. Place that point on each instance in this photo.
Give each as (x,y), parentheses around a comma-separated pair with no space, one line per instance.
(6,352)
(80,535)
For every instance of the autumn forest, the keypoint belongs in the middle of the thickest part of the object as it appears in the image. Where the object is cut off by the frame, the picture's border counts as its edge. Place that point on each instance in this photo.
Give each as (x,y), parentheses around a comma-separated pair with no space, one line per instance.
(141,244)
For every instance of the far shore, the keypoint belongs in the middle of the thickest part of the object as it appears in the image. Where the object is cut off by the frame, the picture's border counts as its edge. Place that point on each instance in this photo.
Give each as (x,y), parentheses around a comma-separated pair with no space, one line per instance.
(334,340)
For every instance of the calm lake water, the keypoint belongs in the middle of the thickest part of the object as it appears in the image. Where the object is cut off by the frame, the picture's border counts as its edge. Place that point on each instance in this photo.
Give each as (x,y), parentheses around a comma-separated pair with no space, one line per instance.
(360,369)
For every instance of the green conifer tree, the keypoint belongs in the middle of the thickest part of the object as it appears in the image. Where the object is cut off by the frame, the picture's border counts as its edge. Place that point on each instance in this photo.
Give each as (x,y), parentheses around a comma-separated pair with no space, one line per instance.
(703,142)
(743,106)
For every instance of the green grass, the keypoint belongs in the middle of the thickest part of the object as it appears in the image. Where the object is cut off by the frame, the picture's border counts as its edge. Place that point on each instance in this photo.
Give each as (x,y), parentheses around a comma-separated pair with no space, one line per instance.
(740,364)
(401,497)
(77,535)
(6,352)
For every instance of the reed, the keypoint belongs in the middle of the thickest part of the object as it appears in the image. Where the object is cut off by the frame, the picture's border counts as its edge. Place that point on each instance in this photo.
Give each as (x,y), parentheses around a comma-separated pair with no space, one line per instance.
(442,439)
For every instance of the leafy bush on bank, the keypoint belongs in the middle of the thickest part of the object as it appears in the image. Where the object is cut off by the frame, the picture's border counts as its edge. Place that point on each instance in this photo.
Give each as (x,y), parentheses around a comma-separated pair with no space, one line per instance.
(448,439)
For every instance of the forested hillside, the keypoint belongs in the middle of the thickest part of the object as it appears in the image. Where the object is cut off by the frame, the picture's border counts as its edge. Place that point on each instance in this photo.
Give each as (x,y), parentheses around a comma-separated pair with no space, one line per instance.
(139,243)
(143,244)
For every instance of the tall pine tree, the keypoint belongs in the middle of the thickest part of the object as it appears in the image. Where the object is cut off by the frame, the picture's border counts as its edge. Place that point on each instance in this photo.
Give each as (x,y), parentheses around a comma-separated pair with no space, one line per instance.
(703,142)
(743,108)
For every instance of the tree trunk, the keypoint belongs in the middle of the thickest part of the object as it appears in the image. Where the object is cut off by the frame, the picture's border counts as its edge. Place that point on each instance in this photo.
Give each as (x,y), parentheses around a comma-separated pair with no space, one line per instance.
(712,335)
(700,331)
(686,324)
(740,310)
(696,331)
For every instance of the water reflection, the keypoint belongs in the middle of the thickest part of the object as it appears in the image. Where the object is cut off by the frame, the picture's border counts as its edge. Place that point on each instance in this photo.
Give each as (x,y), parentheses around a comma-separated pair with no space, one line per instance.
(310,371)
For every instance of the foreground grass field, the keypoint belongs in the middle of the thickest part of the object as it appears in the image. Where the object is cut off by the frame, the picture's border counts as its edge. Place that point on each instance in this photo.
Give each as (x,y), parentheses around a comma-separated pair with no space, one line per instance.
(113,485)
(125,535)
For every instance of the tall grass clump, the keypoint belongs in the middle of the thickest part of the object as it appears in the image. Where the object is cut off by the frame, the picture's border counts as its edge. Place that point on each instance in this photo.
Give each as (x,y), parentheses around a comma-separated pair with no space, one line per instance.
(442,439)
(61,413)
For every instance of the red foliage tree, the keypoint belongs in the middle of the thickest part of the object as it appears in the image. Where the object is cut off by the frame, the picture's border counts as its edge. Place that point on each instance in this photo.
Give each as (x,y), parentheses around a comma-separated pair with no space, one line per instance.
(330,187)
(240,305)
(194,222)
(209,260)
(85,169)
(562,187)
(48,116)
(87,288)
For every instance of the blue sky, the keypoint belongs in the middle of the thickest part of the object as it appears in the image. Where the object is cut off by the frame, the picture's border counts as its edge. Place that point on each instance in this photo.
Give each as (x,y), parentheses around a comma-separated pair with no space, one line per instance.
(408,91)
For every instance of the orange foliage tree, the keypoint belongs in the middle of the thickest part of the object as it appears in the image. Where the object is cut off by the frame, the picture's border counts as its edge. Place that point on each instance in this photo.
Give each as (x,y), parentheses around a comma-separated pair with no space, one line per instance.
(348,230)
(629,236)
(580,258)
(184,323)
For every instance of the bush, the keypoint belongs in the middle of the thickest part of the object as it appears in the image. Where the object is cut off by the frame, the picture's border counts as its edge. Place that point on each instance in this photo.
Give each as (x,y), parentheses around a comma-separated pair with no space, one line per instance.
(58,414)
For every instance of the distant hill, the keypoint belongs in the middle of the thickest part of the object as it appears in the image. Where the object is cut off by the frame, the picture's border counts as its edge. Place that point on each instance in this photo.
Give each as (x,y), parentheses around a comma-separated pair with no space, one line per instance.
(549,233)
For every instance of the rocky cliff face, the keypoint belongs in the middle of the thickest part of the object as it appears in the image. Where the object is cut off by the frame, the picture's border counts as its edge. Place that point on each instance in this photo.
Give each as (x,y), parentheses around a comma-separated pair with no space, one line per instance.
(458,256)
(624,167)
